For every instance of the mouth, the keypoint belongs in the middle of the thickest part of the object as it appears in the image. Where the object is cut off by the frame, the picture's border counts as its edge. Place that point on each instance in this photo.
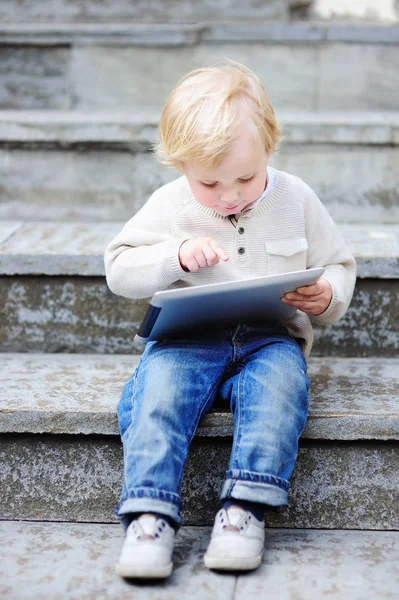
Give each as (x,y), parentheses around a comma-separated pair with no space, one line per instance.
(231,207)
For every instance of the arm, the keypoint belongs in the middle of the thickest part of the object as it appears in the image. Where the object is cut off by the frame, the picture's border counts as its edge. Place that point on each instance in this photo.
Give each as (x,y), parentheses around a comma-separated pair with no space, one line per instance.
(144,257)
(328,300)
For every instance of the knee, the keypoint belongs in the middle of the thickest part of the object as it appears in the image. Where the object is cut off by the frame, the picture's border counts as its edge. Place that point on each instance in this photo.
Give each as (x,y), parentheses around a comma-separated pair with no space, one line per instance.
(292,366)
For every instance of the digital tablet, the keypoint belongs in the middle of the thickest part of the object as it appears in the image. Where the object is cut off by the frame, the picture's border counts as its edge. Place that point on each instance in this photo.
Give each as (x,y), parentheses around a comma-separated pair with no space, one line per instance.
(175,312)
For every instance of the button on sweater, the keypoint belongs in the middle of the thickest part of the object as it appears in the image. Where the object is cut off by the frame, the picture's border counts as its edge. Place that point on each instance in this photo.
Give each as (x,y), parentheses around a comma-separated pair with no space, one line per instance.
(288,231)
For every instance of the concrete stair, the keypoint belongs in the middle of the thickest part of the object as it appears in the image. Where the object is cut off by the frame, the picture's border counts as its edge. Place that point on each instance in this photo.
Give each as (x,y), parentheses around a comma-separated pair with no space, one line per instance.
(183,11)
(75,561)
(147,11)
(307,66)
(55,298)
(81,87)
(61,458)
(79,166)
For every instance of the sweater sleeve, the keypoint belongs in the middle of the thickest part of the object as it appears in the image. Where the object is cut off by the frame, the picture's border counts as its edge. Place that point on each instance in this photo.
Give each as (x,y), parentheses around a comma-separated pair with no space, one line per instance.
(144,257)
(327,248)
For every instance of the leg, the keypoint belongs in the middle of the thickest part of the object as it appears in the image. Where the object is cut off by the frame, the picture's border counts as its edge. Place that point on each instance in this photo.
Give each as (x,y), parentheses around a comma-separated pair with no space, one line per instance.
(172,389)
(269,399)
(268,391)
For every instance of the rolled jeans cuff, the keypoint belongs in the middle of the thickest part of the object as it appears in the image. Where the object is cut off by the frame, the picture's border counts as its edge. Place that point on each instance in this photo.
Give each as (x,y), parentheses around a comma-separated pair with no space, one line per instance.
(143,500)
(255,487)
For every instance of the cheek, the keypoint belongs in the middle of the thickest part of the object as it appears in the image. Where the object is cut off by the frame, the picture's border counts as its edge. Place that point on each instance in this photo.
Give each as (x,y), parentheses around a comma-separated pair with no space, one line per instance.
(206,197)
(254,190)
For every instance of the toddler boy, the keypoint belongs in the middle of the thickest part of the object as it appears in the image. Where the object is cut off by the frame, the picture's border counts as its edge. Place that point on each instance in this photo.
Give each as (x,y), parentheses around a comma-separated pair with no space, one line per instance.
(228,216)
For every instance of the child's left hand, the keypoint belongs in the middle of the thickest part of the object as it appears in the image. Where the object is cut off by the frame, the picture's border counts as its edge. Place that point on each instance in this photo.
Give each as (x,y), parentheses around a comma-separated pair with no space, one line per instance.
(311,299)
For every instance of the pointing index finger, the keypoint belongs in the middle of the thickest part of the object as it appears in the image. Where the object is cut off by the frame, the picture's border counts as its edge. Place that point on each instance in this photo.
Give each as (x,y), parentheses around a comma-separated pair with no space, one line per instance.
(219,250)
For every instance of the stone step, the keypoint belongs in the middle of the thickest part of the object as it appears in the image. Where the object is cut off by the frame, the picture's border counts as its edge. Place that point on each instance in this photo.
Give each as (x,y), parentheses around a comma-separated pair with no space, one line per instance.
(351,399)
(149,11)
(58,301)
(56,248)
(61,458)
(99,66)
(82,166)
(186,11)
(53,560)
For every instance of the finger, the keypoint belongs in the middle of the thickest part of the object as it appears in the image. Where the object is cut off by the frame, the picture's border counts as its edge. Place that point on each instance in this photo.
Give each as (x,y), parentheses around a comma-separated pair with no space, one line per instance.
(192,265)
(298,303)
(219,250)
(298,297)
(200,258)
(311,290)
(211,257)
(311,308)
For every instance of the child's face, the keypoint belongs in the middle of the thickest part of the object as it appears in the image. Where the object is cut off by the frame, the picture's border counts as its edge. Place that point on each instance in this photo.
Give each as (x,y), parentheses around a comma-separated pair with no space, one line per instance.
(236,183)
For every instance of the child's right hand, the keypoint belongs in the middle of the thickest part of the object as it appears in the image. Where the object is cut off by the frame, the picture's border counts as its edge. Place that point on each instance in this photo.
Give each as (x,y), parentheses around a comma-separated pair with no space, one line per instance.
(200,252)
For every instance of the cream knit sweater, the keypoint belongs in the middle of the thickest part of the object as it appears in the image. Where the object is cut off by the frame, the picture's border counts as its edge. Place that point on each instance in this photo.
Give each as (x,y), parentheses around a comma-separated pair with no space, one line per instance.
(289,230)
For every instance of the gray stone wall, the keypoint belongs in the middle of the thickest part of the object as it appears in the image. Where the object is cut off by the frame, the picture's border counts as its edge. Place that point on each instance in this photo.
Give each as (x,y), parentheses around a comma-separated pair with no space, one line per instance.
(148,11)
(61,478)
(80,314)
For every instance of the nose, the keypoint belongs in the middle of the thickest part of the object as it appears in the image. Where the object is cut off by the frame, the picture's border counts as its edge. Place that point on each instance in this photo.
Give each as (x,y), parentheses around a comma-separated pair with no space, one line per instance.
(230,199)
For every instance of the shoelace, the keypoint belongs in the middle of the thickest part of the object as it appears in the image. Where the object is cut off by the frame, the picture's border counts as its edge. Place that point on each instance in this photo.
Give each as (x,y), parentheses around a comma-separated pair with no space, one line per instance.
(239,526)
(141,535)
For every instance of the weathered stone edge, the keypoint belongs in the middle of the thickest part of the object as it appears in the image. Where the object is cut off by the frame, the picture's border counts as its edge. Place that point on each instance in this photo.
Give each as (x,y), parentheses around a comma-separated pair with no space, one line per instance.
(121,34)
(379,267)
(215,424)
(62,128)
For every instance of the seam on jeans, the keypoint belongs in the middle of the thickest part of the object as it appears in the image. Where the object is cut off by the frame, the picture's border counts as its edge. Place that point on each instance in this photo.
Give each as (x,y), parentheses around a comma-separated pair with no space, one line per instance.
(234,343)
(237,433)
(199,417)
(153,494)
(134,385)
(132,395)
(243,475)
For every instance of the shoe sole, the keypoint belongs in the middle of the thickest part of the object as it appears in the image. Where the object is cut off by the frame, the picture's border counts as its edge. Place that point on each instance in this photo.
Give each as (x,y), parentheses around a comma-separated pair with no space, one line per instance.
(141,572)
(232,564)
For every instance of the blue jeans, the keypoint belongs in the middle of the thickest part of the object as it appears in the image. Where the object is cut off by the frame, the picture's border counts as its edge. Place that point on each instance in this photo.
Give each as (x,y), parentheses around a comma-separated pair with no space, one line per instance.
(260,370)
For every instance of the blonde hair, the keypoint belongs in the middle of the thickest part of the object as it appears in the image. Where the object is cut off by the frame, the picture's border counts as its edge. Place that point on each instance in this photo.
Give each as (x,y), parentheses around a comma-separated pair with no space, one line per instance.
(207,111)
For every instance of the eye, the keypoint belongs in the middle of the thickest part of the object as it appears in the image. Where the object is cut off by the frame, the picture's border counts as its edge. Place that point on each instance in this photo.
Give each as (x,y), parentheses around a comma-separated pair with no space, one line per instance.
(209,185)
(246,180)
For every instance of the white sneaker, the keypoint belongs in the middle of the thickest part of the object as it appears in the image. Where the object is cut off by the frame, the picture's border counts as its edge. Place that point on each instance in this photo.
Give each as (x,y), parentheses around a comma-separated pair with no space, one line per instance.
(237,541)
(147,549)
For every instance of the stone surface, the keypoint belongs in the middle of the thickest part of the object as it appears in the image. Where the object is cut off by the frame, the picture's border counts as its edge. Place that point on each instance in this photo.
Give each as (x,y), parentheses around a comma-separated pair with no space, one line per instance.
(349,485)
(7,228)
(155,11)
(53,559)
(103,185)
(364,192)
(87,186)
(78,394)
(316,565)
(97,67)
(97,167)
(370,327)
(51,248)
(76,248)
(75,561)
(386,11)
(80,314)
(333,75)
(174,34)
(33,78)
(115,128)
(364,87)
